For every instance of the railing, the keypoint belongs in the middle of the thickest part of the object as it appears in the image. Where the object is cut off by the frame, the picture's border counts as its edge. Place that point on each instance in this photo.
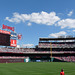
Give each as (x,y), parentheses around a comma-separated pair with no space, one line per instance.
(28,50)
(47,45)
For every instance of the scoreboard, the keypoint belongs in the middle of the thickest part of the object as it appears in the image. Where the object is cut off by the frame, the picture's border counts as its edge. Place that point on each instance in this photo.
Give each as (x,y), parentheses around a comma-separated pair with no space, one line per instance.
(8,38)
(4,39)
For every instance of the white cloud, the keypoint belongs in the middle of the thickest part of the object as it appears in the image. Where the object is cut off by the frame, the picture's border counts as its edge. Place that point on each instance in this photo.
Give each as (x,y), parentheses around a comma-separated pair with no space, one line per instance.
(39,18)
(70,23)
(61,33)
(29,24)
(73,30)
(27,45)
(70,13)
(18,46)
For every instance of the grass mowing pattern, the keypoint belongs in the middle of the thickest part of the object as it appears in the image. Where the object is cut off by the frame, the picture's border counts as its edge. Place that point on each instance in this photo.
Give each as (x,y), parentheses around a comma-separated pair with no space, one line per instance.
(37,68)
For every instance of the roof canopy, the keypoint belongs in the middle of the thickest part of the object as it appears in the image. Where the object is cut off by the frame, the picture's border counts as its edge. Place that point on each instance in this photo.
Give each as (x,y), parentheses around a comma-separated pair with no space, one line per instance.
(49,39)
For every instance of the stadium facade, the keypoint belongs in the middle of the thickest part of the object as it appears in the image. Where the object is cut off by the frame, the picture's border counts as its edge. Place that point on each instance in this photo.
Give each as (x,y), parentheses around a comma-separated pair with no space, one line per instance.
(60,49)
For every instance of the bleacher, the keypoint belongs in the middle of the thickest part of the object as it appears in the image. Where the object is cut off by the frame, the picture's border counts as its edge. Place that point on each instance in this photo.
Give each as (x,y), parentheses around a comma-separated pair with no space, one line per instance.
(60,48)
(30,50)
(64,51)
(56,45)
(68,58)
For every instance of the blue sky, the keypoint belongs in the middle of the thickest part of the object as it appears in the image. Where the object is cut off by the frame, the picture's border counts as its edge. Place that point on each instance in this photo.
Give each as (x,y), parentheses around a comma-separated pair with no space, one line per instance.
(38,18)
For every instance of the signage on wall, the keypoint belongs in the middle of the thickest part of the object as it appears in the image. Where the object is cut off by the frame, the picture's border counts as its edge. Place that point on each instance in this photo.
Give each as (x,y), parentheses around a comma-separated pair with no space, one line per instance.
(13,43)
(7,27)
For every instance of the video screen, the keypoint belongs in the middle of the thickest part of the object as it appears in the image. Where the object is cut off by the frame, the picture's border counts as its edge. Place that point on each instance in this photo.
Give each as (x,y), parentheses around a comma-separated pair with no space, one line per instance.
(4,39)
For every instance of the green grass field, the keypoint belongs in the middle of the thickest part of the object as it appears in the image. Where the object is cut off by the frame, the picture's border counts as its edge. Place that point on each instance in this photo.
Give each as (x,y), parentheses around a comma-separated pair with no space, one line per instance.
(37,68)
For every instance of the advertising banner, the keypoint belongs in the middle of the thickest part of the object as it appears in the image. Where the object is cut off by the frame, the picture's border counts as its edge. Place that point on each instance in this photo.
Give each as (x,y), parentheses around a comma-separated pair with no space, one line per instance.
(19,36)
(13,35)
(7,27)
(13,43)
(5,32)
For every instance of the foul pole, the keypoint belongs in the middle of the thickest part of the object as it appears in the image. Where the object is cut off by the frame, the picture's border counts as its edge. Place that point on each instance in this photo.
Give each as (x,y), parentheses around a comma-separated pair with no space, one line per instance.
(51,51)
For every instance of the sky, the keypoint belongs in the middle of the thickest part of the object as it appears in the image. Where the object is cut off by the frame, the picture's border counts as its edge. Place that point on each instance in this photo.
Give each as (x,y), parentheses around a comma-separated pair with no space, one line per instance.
(36,19)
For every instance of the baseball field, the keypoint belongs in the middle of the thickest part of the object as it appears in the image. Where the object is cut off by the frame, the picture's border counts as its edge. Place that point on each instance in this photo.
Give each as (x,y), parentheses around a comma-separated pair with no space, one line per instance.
(37,68)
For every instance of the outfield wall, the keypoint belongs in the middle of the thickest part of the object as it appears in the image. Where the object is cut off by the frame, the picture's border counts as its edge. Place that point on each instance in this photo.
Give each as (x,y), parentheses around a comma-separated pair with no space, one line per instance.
(14,60)
(11,60)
